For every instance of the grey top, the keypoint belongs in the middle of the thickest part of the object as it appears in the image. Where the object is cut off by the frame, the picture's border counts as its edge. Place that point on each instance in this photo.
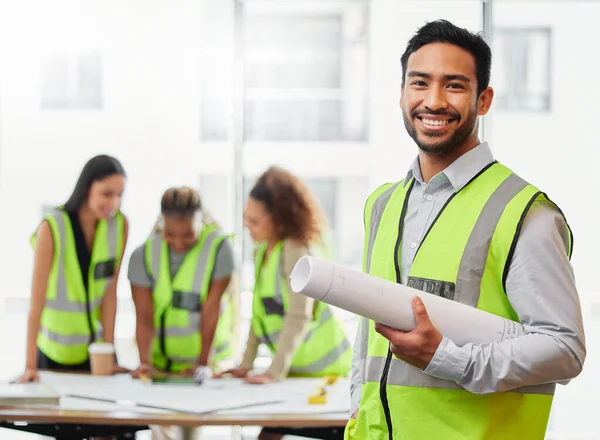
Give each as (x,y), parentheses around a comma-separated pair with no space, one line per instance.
(540,286)
(137,274)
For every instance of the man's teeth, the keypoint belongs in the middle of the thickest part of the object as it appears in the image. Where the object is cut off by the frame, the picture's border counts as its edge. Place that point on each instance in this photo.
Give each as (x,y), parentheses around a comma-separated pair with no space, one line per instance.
(435,122)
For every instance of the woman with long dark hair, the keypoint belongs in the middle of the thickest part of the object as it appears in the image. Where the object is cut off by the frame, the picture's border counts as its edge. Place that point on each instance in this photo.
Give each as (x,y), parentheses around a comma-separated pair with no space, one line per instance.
(78,251)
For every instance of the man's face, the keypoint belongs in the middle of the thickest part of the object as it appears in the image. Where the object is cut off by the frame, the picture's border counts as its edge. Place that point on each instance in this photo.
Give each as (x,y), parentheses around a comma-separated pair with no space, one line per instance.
(439,98)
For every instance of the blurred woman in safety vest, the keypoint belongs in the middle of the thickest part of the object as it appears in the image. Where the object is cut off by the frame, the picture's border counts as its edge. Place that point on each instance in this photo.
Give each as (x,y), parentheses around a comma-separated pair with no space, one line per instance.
(78,251)
(178,281)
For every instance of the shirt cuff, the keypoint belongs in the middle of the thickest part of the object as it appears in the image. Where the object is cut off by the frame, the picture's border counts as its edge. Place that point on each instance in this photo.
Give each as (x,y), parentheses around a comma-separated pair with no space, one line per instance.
(449,362)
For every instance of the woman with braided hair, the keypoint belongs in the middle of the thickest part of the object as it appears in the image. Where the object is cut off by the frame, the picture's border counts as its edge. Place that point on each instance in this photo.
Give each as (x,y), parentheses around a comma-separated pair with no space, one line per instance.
(178,280)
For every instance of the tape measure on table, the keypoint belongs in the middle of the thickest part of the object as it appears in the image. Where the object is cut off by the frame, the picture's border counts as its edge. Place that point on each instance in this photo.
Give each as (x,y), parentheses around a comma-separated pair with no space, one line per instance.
(319,395)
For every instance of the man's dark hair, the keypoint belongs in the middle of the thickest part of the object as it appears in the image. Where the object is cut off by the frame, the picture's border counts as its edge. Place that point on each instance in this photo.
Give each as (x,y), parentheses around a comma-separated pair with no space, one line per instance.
(442,31)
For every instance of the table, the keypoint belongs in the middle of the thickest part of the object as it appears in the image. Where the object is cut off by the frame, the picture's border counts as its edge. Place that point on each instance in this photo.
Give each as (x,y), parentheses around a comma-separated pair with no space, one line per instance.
(121,419)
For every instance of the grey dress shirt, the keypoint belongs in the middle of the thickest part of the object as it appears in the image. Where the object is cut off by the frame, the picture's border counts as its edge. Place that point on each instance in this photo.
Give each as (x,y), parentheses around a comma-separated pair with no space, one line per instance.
(540,286)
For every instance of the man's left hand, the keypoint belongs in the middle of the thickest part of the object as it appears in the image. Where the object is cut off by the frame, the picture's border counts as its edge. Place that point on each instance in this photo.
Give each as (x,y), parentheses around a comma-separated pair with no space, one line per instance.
(418,346)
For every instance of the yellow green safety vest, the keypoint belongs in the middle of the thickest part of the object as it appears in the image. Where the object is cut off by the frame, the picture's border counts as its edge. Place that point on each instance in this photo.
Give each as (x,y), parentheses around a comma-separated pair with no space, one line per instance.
(70,320)
(465,256)
(325,350)
(177,341)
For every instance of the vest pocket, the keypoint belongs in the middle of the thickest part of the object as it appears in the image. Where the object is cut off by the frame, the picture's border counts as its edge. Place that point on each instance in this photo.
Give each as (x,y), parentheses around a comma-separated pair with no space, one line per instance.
(105,269)
(187,301)
(272,307)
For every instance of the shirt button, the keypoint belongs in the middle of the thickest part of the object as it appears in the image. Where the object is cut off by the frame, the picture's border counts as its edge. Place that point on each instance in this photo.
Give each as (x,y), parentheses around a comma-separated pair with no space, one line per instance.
(413,245)
(429,197)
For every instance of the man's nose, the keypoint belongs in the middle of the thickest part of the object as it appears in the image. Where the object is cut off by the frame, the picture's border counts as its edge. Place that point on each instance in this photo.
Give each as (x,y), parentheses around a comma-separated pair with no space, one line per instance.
(435,99)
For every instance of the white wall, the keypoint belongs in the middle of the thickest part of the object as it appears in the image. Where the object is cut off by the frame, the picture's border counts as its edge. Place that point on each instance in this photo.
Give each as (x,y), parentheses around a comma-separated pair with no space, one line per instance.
(558,152)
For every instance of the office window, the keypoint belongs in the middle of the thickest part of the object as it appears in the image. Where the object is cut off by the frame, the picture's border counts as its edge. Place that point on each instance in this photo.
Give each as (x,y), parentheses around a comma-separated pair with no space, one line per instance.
(305,75)
(523,68)
(72,81)
(216,70)
(215,194)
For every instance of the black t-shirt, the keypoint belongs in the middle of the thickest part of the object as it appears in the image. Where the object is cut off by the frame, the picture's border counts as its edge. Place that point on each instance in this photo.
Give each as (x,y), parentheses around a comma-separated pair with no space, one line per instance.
(84,256)
(83,253)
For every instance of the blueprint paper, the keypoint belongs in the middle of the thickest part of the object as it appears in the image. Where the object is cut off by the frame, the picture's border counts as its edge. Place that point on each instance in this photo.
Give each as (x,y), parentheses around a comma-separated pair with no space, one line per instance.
(390,303)
(214,395)
(297,391)
(222,396)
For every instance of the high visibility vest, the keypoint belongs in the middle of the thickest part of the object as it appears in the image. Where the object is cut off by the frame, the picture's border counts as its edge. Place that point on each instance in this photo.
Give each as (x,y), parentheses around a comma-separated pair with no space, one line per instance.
(71,317)
(178,302)
(465,257)
(325,350)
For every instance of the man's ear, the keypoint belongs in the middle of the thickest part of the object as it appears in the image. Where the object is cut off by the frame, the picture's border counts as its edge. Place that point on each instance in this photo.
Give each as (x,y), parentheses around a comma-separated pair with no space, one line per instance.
(401,95)
(485,101)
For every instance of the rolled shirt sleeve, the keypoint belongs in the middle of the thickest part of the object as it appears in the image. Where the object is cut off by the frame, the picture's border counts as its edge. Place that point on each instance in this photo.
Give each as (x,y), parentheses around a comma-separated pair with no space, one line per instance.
(540,286)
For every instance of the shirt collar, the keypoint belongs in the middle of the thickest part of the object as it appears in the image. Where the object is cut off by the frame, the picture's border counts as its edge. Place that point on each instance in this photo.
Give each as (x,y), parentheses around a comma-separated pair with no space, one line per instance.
(461,171)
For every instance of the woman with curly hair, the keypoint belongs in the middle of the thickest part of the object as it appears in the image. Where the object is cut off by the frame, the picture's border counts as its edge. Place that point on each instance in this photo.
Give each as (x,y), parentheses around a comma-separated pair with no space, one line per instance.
(304,336)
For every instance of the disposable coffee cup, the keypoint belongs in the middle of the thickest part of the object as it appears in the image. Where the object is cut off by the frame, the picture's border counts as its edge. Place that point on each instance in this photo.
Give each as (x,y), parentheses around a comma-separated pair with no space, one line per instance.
(102,358)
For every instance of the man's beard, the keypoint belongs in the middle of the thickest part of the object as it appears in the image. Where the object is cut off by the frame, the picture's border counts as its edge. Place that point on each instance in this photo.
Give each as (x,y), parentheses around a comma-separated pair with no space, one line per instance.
(458,138)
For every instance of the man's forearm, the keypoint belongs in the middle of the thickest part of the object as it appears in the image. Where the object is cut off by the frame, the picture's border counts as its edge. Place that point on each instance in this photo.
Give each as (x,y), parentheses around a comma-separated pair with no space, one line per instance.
(531,359)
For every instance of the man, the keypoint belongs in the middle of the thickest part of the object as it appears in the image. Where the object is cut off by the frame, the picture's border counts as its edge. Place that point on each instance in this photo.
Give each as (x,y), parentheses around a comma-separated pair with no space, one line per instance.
(480,235)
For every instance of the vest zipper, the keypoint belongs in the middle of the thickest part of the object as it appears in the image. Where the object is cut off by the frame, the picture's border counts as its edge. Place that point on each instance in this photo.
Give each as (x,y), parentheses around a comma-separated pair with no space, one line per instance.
(163,343)
(388,360)
(383,394)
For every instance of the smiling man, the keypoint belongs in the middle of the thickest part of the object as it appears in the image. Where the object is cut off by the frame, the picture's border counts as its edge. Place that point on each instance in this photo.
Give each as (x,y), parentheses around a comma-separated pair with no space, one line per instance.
(465,227)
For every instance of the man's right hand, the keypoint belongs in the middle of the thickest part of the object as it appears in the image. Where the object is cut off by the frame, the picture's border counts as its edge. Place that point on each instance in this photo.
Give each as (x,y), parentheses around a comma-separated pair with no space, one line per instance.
(146,370)
(235,372)
(30,375)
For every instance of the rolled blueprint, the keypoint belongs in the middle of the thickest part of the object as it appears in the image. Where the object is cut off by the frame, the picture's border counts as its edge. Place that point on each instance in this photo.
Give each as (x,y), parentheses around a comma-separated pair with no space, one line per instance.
(390,303)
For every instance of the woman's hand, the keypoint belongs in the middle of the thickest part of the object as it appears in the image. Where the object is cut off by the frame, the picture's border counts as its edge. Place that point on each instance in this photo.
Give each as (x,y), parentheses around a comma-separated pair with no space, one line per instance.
(145,370)
(260,379)
(30,375)
(235,372)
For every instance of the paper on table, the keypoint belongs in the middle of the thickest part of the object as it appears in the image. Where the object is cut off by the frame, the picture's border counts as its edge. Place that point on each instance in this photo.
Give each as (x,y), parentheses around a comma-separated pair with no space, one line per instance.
(213,395)
(390,303)
(296,392)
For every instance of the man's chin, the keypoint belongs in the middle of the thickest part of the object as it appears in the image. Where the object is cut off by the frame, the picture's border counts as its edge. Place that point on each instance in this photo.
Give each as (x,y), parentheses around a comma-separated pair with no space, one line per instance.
(434,147)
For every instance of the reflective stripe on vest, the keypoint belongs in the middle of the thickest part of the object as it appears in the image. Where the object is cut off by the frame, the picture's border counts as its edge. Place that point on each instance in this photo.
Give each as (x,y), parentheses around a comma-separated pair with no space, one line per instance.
(332,354)
(178,301)
(192,359)
(194,318)
(61,303)
(467,290)
(468,248)
(324,362)
(319,365)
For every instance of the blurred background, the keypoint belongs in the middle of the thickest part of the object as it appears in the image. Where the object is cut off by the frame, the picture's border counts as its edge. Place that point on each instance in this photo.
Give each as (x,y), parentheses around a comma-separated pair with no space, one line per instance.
(209,93)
